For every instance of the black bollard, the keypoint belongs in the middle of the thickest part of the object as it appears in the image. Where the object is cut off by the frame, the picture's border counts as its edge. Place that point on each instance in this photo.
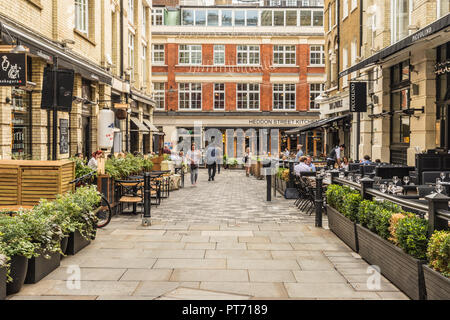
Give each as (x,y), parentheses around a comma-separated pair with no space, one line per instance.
(147,199)
(319,201)
(269,184)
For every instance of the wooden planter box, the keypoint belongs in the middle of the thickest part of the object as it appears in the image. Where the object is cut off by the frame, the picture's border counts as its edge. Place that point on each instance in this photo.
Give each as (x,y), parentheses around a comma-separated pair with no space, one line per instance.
(2,283)
(39,267)
(401,269)
(26,182)
(105,184)
(437,286)
(343,227)
(76,243)
(157,163)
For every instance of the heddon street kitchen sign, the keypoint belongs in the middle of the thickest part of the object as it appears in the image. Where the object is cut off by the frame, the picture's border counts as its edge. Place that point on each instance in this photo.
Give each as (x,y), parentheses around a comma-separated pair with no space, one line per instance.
(13,69)
(278,121)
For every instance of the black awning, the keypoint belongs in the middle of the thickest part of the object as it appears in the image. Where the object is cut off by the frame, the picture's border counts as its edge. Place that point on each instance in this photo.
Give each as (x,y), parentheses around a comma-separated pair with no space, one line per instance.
(432,28)
(317,124)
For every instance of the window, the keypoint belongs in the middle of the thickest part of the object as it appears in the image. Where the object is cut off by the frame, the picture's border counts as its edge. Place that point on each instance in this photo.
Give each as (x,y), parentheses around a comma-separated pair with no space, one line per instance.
(266,18)
(317,18)
(213,18)
(252,18)
(275,3)
(443,7)
(81,15)
(219,96)
(283,96)
(248,55)
(144,20)
(373,22)
(344,65)
(131,11)
(291,3)
(21,123)
(158,54)
(219,54)
(131,54)
(305,18)
(315,89)
(353,52)
(200,17)
(278,18)
(157,17)
(354,4)
(190,96)
(190,54)
(159,90)
(316,55)
(400,19)
(344,9)
(247,96)
(188,17)
(239,18)
(291,18)
(144,63)
(284,55)
(227,18)
(329,18)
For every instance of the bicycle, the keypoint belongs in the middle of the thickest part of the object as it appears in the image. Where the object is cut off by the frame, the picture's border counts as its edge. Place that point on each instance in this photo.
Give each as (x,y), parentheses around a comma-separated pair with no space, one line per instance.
(104,213)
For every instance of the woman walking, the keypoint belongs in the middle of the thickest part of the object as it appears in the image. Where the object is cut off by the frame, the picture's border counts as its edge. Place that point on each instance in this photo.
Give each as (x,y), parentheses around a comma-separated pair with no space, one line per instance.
(248,161)
(193,158)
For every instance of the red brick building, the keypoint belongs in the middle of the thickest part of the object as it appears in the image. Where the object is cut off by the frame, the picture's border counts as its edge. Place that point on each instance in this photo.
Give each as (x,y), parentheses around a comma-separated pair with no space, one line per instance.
(238,67)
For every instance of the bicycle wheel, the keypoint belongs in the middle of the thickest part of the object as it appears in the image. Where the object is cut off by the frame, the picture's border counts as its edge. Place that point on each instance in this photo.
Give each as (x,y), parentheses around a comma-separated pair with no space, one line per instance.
(104,214)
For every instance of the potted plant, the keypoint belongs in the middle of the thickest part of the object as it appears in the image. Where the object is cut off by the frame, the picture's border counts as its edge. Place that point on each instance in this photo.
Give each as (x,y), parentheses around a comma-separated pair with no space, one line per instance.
(17,246)
(3,269)
(437,272)
(81,206)
(399,257)
(342,207)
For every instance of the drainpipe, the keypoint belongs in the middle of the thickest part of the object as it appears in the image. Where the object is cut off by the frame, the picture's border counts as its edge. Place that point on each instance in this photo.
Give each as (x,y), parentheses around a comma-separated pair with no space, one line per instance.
(121,39)
(338,60)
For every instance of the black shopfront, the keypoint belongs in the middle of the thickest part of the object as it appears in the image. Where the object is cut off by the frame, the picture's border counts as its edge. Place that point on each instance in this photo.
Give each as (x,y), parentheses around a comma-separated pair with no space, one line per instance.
(442,71)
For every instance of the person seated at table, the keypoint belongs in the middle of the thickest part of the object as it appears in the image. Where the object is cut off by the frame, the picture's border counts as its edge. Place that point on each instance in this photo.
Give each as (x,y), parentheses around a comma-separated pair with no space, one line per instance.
(93,161)
(310,164)
(286,152)
(377,161)
(366,160)
(345,163)
(302,166)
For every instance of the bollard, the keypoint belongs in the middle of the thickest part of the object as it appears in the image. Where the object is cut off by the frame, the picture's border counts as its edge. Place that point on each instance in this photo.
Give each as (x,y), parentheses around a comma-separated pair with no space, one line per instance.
(436,201)
(147,199)
(319,201)
(269,184)
(366,183)
(291,174)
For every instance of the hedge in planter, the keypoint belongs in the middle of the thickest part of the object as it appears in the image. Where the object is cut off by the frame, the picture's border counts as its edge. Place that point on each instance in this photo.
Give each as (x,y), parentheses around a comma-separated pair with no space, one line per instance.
(437,273)
(342,221)
(3,269)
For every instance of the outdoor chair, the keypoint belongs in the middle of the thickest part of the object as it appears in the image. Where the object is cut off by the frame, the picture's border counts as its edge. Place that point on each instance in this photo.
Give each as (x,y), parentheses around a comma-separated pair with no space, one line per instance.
(424,190)
(131,192)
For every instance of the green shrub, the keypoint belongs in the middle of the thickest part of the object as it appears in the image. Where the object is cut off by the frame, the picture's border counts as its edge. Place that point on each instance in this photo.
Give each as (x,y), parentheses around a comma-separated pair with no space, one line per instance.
(412,236)
(351,202)
(438,252)
(81,168)
(332,194)
(14,238)
(366,211)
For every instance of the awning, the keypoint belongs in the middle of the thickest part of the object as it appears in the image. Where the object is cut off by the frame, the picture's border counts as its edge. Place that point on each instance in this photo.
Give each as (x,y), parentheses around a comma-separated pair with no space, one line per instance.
(150,126)
(47,49)
(139,125)
(317,124)
(432,28)
(142,98)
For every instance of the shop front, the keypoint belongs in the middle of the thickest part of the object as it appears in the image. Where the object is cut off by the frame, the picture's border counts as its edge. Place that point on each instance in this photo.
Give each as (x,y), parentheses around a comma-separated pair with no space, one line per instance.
(442,71)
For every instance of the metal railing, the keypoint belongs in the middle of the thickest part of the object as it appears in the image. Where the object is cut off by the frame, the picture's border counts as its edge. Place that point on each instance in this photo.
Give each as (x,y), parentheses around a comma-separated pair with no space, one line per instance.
(436,208)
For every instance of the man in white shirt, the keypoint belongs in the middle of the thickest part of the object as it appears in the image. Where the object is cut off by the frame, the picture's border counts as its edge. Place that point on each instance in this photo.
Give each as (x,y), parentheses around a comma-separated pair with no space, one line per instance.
(299,152)
(302,167)
(310,164)
(335,156)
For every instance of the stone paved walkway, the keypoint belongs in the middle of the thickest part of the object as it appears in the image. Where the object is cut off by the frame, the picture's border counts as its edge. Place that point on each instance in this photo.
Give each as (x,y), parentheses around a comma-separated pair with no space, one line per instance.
(218,240)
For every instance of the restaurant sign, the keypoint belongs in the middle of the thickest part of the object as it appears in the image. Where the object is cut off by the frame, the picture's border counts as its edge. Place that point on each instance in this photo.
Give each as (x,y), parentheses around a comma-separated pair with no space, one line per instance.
(442,68)
(13,69)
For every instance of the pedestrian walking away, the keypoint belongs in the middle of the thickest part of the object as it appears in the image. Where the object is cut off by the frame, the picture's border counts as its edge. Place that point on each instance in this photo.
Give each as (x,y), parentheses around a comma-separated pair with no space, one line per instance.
(193,158)
(211,160)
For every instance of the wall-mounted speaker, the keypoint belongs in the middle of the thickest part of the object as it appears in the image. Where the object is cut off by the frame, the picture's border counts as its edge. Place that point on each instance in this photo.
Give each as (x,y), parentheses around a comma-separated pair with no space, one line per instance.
(64,83)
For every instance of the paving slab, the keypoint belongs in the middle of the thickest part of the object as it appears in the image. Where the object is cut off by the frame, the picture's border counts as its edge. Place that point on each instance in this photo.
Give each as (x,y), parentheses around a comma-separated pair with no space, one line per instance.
(254,289)
(272,276)
(190,264)
(262,264)
(146,275)
(209,275)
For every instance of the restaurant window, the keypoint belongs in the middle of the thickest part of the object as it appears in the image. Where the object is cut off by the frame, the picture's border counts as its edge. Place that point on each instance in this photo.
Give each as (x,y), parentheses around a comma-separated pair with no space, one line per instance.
(190,96)
(219,54)
(284,55)
(283,96)
(400,19)
(443,96)
(227,18)
(400,121)
(21,124)
(247,96)
(81,15)
(219,96)
(159,90)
